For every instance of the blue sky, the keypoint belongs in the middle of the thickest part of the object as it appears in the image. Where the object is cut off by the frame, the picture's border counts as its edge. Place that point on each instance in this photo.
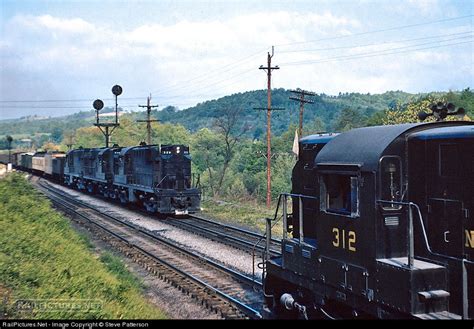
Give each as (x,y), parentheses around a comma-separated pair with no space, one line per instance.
(185,52)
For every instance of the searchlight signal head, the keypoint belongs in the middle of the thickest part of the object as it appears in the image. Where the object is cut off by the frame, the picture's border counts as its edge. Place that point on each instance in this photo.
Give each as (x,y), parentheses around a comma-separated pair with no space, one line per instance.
(441,110)
(116,90)
(98,104)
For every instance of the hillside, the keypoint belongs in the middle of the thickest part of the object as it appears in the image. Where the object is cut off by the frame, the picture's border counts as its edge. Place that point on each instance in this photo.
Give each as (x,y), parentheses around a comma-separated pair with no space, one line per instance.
(323,115)
(44,259)
(325,108)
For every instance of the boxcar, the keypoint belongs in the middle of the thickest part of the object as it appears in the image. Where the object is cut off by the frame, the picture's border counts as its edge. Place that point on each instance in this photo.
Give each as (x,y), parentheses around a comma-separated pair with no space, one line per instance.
(38,162)
(27,161)
(48,161)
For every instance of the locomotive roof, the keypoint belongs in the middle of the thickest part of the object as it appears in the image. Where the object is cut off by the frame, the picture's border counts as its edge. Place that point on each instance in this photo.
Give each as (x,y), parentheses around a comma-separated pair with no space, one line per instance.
(361,146)
(445,133)
(318,138)
(126,149)
(365,146)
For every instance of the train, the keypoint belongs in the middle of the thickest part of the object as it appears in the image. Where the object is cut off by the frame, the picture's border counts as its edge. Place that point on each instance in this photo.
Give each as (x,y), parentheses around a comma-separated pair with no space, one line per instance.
(155,177)
(378,224)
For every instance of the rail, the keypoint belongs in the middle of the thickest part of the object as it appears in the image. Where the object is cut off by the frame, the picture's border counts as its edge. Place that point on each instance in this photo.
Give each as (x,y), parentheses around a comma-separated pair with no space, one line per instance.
(245,309)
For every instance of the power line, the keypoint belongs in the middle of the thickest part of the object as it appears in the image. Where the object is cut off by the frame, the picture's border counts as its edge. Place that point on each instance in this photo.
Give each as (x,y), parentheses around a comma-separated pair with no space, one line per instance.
(63,100)
(233,65)
(376,31)
(374,44)
(219,70)
(379,53)
(56,107)
(210,73)
(207,75)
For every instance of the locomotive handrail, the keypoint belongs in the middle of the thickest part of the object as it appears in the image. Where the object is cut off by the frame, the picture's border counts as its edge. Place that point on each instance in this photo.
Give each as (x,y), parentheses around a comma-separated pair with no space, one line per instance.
(161,181)
(269,226)
(425,236)
(300,214)
(428,247)
(267,231)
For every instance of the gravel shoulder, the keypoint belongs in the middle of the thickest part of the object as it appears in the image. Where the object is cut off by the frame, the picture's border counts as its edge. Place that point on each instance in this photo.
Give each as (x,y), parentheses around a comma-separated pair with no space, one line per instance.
(169,299)
(226,255)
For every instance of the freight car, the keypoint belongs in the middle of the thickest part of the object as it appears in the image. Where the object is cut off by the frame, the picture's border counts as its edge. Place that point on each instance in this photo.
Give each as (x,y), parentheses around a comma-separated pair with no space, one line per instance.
(38,163)
(13,158)
(158,178)
(53,162)
(27,161)
(378,225)
(4,158)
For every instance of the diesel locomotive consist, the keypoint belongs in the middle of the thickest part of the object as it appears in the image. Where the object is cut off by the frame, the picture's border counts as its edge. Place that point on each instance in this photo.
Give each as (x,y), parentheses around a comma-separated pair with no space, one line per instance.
(379,224)
(157,177)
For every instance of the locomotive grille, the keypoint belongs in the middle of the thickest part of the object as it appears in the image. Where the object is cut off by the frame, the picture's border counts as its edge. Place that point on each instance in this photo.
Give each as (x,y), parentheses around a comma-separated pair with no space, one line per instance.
(391,221)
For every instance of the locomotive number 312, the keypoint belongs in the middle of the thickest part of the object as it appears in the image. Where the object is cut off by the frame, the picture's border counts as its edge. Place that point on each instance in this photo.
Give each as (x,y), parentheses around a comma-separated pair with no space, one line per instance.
(343,239)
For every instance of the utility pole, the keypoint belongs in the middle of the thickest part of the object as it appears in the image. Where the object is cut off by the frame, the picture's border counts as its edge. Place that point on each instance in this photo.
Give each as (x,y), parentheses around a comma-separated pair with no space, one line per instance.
(70,141)
(9,145)
(269,69)
(302,101)
(148,119)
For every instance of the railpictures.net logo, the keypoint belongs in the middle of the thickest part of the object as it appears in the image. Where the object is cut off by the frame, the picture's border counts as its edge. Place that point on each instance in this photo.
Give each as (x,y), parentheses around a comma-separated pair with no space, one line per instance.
(55,305)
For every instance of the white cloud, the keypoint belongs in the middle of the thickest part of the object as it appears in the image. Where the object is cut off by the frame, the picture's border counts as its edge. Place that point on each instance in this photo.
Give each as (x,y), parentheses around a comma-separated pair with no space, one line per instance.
(79,59)
(424,6)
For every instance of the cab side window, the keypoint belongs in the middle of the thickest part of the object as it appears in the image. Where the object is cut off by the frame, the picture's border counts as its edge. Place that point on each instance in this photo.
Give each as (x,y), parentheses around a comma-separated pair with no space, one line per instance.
(340,194)
(391,182)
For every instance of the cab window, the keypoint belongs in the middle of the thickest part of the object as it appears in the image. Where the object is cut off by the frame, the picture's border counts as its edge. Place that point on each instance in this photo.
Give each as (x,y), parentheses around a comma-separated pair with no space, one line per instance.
(340,194)
(390,182)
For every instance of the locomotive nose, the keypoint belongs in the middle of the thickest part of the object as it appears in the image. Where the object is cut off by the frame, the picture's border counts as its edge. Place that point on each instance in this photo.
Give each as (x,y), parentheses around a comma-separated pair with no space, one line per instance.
(180,202)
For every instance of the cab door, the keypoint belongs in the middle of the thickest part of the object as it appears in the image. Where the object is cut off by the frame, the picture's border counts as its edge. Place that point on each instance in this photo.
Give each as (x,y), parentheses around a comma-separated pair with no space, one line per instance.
(445,220)
(448,192)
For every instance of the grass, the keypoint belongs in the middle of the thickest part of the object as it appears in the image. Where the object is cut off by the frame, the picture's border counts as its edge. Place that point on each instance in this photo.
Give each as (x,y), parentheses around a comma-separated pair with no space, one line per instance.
(242,213)
(43,258)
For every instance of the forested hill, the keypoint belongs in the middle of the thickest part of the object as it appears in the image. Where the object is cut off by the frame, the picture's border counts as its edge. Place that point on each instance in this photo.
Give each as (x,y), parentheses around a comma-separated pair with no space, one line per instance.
(324,114)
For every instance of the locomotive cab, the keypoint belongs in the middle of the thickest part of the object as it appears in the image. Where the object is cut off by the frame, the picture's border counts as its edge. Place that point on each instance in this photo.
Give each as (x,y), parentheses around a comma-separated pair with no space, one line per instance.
(176,182)
(441,180)
(354,242)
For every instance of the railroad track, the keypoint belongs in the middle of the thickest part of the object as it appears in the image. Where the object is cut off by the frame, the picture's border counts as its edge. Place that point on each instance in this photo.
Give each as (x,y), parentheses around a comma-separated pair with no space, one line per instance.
(221,289)
(240,238)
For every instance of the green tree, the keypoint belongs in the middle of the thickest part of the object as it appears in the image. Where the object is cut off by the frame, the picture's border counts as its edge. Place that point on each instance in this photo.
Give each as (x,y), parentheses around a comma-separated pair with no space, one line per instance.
(227,125)
(208,156)
(409,113)
(56,135)
(464,99)
(349,119)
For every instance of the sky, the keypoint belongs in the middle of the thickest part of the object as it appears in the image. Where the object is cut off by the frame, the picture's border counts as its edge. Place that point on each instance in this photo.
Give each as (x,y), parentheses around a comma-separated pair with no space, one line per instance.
(57,57)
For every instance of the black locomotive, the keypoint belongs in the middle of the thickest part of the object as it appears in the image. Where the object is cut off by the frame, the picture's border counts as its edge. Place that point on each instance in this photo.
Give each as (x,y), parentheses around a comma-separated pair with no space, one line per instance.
(157,177)
(379,224)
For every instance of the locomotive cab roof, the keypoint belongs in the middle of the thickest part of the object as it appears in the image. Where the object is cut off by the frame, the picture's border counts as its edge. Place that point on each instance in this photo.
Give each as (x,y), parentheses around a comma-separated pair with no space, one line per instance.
(125,150)
(445,133)
(321,138)
(363,147)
